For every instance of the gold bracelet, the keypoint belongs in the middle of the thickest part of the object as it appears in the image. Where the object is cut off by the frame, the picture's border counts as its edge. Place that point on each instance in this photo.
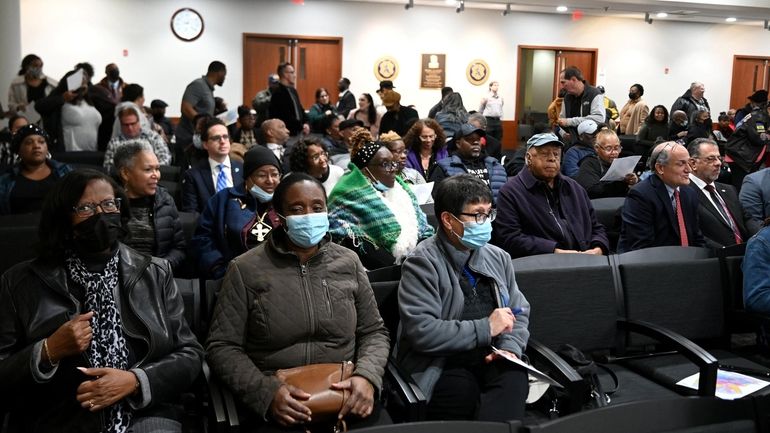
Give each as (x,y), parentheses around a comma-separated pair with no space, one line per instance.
(48,354)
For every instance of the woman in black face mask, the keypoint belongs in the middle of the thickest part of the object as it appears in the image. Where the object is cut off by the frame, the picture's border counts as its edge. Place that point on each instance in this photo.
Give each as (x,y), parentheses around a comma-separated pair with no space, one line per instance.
(96,340)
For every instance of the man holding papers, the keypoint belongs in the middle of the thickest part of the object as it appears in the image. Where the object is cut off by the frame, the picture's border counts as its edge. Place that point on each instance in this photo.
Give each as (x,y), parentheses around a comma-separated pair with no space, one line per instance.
(593,169)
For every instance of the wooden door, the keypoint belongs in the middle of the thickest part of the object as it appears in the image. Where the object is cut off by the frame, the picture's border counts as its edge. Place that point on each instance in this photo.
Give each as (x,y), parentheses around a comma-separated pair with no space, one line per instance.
(318,64)
(749,75)
(585,60)
(317,61)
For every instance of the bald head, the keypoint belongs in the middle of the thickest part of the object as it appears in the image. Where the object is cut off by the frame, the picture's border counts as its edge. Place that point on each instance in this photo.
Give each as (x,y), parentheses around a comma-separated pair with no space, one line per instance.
(275,131)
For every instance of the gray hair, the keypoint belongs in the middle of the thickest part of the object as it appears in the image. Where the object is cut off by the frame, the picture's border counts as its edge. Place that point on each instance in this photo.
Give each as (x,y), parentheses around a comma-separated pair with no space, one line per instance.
(662,153)
(124,155)
(695,146)
(478,117)
(695,84)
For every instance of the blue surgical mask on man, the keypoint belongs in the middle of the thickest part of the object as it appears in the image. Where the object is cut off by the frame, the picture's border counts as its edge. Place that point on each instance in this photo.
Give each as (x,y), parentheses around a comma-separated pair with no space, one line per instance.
(475,235)
(307,230)
(260,194)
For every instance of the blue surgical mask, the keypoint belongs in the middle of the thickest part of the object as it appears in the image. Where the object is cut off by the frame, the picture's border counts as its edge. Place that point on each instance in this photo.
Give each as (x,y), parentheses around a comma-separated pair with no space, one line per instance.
(379,186)
(307,230)
(476,235)
(260,194)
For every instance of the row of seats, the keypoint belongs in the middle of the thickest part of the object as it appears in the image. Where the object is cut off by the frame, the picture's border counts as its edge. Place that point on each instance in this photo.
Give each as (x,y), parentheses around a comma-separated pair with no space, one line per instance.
(638,312)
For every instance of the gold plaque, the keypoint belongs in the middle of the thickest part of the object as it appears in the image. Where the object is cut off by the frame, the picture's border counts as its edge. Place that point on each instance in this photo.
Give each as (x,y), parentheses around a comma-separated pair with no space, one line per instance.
(477,72)
(386,68)
(433,71)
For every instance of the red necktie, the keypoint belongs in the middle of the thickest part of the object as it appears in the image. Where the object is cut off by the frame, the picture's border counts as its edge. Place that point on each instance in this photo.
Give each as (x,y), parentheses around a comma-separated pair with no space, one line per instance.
(680,219)
(726,214)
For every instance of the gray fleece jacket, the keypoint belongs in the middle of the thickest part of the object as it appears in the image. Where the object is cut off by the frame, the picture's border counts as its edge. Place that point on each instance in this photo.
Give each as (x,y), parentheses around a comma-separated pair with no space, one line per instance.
(430,303)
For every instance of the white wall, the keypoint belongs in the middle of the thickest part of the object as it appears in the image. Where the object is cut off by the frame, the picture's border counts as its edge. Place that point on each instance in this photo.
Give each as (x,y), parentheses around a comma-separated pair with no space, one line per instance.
(64,33)
(10,49)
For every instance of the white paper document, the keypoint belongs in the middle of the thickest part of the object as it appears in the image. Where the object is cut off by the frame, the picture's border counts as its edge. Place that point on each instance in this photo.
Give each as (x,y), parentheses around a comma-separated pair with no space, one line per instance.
(75,80)
(532,371)
(730,385)
(422,192)
(620,168)
(229,117)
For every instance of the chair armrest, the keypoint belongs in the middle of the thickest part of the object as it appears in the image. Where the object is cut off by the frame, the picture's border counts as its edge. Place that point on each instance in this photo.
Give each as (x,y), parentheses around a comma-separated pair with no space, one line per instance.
(411,395)
(707,364)
(560,370)
(225,413)
(215,394)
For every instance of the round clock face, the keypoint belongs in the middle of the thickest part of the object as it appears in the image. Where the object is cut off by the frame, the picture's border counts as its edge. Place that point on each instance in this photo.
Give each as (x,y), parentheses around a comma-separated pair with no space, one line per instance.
(187,24)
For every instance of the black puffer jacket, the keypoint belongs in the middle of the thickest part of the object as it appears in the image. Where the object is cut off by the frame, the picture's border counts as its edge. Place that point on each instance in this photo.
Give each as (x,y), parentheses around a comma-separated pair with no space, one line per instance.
(169,236)
(35,302)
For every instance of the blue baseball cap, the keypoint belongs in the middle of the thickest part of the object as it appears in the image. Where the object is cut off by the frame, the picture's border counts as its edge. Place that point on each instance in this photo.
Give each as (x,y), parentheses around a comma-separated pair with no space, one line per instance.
(538,140)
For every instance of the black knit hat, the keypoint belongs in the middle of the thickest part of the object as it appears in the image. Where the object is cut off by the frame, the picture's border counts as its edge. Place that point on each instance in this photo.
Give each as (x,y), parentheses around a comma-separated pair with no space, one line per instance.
(257,157)
(24,132)
(760,96)
(366,153)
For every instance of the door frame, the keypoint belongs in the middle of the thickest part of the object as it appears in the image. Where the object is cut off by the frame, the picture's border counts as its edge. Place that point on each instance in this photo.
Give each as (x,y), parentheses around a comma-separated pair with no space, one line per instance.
(732,75)
(245,36)
(521,48)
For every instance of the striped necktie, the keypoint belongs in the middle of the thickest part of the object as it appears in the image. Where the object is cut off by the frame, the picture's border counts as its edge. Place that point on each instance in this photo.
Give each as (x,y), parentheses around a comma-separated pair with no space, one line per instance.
(221,178)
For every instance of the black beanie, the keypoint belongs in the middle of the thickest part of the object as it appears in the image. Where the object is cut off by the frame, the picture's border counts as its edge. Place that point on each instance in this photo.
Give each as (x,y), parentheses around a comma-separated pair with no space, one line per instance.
(258,156)
(24,132)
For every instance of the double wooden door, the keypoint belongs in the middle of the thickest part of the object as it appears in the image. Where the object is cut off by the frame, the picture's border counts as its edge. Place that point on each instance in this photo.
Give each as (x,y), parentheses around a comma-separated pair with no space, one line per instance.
(750,73)
(317,61)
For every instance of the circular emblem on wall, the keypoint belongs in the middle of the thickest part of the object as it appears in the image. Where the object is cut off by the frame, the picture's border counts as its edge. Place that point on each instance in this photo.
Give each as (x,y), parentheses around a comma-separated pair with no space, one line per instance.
(386,68)
(477,72)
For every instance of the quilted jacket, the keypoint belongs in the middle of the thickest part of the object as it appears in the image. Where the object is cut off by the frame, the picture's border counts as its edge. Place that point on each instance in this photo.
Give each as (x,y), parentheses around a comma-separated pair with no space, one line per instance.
(274,312)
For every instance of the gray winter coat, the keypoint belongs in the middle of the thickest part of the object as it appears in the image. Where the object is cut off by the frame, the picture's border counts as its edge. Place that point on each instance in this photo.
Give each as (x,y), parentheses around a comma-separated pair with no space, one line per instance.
(430,303)
(275,313)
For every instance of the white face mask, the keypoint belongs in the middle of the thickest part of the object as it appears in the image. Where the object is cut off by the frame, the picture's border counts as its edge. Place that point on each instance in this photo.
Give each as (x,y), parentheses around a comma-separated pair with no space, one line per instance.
(197,142)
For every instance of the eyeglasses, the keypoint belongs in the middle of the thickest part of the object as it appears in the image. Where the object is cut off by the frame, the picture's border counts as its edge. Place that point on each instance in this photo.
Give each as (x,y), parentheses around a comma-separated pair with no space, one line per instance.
(317,157)
(481,218)
(387,165)
(219,137)
(85,210)
(711,159)
(264,175)
(612,149)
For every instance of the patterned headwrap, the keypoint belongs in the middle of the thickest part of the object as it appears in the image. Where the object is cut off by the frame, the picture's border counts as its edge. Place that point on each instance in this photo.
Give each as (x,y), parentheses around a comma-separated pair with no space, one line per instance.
(365,154)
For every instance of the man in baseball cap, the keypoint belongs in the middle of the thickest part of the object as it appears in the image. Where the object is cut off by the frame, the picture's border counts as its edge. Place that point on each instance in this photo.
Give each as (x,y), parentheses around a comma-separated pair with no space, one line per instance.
(583,148)
(468,158)
(540,211)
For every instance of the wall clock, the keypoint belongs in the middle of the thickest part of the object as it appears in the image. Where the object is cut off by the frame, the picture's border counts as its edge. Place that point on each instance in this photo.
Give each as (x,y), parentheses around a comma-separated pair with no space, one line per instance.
(187,24)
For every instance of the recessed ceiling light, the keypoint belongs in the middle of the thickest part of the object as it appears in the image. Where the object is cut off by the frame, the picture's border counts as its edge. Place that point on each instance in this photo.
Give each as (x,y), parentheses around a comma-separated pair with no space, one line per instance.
(562,9)
(661,15)
(731,19)
(450,2)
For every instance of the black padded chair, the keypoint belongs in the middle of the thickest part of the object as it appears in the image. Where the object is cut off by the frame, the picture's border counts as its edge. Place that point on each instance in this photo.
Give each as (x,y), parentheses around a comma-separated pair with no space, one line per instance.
(430,214)
(447,427)
(18,239)
(738,319)
(572,298)
(608,212)
(682,415)
(85,159)
(680,290)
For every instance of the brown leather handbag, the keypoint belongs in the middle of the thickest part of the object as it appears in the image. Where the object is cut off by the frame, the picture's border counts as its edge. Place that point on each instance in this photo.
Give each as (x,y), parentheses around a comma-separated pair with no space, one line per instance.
(316,379)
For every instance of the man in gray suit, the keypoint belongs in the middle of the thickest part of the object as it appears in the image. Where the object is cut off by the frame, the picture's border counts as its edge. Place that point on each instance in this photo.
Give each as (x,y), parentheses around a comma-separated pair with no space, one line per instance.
(755,196)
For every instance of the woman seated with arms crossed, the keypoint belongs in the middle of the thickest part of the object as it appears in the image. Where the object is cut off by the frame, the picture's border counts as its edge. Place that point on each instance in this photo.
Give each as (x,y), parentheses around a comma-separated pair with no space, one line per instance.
(154,225)
(239,218)
(373,212)
(24,186)
(92,333)
(295,300)
(457,298)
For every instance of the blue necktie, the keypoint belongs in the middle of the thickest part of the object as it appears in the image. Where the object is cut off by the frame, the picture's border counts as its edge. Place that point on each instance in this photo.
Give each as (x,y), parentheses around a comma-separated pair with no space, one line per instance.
(221,178)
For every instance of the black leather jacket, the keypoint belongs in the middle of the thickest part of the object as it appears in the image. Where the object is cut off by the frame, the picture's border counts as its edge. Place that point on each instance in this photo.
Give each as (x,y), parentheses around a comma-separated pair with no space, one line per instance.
(35,301)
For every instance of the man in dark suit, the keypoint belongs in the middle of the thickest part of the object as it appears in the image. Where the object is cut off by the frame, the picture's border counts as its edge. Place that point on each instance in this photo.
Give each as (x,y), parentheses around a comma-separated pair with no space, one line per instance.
(215,173)
(347,101)
(720,215)
(755,196)
(285,103)
(662,210)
